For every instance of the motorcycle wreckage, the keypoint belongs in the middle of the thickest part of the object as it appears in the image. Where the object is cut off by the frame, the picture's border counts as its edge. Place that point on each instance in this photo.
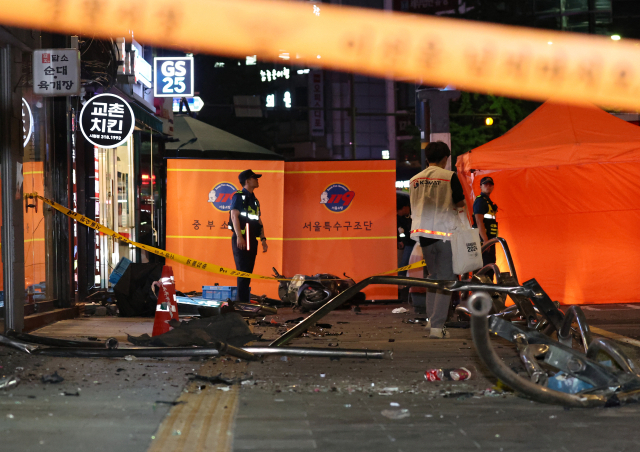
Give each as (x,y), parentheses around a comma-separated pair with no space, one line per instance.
(311,292)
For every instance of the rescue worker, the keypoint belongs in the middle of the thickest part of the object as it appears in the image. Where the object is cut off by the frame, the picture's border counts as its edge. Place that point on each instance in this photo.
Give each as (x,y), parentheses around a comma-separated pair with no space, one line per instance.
(246,223)
(484,218)
(436,195)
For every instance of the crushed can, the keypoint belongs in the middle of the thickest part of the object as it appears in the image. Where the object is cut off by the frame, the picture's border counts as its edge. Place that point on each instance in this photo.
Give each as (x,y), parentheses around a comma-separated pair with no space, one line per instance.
(434,375)
(460,374)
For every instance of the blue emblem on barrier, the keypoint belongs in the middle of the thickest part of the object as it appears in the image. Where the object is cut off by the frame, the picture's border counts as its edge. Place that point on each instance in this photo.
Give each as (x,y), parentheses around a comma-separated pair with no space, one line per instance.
(220,196)
(337,197)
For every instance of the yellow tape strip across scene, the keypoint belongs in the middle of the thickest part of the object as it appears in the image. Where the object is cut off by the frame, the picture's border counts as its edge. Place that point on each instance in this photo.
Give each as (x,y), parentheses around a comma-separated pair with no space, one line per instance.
(175,257)
(473,56)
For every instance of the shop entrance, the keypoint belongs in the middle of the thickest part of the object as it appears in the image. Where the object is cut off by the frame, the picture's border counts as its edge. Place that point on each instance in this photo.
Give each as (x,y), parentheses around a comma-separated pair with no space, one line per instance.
(115,203)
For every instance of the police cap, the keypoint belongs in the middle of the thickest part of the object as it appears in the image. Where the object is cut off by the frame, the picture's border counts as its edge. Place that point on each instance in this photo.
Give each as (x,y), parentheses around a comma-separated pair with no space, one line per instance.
(247,174)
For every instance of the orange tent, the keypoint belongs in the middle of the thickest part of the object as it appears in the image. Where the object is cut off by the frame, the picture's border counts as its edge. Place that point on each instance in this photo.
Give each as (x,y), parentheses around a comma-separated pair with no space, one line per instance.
(566,180)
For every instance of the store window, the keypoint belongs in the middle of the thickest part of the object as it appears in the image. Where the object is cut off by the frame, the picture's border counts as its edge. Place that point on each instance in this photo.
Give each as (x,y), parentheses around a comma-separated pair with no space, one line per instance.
(38,246)
(115,209)
(152,176)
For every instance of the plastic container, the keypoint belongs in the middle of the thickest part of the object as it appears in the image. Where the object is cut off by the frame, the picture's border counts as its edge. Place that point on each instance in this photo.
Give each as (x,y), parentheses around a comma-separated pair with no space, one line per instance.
(119,270)
(220,293)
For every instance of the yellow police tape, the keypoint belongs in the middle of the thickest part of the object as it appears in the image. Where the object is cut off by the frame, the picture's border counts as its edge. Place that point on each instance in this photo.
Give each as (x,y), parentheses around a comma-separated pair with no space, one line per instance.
(175,257)
(474,56)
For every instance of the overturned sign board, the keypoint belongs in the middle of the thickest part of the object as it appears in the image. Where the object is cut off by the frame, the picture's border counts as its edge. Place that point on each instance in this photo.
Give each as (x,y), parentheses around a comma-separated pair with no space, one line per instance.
(107,121)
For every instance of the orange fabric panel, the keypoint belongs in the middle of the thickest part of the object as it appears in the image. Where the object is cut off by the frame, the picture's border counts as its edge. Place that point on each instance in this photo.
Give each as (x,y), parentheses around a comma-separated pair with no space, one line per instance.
(573,228)
(557,134)
(327,248)
(34,241)
(189,183)
(289,200)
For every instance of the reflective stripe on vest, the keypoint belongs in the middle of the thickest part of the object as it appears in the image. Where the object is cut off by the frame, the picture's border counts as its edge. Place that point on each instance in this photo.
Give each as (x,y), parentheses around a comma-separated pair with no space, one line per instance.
(250,216)
(489,216)
(426,231)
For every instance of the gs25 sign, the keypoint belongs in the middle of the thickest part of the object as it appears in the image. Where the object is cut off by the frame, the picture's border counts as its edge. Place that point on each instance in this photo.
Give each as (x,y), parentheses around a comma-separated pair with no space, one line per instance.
(173,77)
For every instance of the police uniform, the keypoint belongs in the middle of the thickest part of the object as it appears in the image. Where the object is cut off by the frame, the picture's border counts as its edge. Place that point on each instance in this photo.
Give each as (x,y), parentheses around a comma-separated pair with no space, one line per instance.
(249,207)
(488,209)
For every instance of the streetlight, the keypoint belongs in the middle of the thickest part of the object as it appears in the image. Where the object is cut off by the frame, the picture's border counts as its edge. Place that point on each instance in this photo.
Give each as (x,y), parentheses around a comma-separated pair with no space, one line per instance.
(616,37)
(489,121)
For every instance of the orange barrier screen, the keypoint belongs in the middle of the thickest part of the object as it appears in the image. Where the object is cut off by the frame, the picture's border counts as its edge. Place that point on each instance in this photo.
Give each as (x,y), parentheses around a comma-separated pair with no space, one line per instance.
(353,231)
(340,216)
(198,228)
(565,185)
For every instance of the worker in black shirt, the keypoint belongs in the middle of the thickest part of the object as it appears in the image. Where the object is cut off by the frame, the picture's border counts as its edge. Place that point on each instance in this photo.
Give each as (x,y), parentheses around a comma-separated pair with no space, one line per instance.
(246,222)
(484,218)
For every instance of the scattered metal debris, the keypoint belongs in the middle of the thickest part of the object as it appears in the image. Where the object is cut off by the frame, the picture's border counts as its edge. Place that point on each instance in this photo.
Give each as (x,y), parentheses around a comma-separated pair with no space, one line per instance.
(110,343)
(215,379)
(53,378)
(8,382)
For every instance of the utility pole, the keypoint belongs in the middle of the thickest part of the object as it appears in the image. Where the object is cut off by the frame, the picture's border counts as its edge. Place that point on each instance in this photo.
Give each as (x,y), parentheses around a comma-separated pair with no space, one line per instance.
(436,116)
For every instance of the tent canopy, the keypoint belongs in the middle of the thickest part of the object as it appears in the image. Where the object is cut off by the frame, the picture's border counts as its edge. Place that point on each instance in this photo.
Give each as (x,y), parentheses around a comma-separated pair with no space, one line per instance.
(557,134)
(566,180)
(194,135)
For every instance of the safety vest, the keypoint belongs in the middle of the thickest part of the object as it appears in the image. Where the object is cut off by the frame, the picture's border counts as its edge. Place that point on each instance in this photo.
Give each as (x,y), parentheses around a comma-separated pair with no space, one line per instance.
(432,210)
(250,214)
(489,218)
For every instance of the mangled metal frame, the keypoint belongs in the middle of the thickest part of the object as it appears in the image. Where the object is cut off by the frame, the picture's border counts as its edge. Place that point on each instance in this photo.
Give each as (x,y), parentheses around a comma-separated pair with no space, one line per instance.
(541,317)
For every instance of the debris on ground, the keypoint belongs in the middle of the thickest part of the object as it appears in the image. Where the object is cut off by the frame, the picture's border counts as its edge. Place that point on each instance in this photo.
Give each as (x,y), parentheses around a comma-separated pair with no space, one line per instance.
(53,378)
(460,374)
(10,381)
(458,395)
(218,379)
(388,391)
(396,414)
(400,310)
(230,328)
(567,384)
(298,320)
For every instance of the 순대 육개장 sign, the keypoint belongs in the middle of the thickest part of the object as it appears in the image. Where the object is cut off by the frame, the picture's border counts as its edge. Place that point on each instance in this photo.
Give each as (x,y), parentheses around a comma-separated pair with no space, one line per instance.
(56,72)
(106,120)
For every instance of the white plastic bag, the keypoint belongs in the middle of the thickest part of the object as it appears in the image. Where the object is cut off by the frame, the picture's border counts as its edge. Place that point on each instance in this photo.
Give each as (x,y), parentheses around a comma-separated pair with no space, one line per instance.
(466,249)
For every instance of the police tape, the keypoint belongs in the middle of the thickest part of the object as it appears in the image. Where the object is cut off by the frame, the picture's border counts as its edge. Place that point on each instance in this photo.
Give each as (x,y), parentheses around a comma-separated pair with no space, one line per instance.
(422,263)
(194,263)
(437,51)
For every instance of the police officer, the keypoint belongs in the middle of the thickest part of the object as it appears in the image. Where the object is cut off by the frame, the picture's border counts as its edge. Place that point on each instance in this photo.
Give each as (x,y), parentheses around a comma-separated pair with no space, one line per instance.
(245,221)
(484,218)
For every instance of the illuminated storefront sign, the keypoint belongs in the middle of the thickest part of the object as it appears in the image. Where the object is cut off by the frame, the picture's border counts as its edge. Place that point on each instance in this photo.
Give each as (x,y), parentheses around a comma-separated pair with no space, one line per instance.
(174,77)
(27,122)
(106,121)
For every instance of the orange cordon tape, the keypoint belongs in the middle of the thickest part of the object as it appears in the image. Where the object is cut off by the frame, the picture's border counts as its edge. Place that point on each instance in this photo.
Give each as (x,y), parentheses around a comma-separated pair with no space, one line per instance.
(426,231)
(175,257)
(474,56)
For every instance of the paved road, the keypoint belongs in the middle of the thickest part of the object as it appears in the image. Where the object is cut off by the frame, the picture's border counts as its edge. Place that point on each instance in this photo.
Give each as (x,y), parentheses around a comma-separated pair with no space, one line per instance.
(305,403)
